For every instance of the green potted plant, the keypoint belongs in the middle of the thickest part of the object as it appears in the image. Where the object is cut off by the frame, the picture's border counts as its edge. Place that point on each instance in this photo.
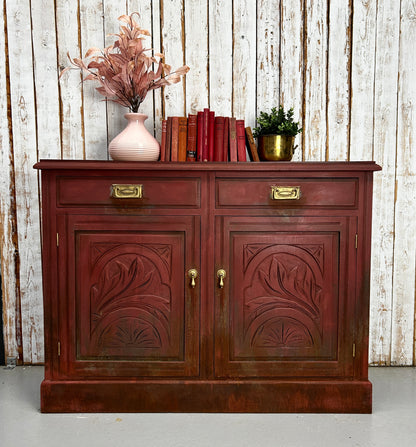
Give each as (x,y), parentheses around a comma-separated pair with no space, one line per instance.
(276,134)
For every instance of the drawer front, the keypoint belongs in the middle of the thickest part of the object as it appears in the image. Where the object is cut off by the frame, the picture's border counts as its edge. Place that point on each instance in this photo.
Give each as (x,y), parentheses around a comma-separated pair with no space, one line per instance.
(286,193)
(143,192)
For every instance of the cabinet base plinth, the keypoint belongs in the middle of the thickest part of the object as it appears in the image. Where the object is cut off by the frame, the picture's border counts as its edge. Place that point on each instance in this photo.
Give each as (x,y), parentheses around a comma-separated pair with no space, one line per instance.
(207,396)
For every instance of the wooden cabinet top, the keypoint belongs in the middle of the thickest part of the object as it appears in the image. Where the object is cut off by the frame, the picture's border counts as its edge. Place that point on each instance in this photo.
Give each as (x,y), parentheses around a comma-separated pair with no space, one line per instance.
(281,167)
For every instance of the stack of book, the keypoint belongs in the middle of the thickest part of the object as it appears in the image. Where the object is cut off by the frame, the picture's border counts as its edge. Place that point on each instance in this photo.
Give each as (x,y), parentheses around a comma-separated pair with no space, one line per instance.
(206,137)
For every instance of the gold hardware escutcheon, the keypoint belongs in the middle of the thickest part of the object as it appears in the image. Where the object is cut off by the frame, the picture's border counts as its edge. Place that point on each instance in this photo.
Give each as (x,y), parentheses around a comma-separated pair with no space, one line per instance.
(126,191)
(221,274)
(285,192)
(193,274)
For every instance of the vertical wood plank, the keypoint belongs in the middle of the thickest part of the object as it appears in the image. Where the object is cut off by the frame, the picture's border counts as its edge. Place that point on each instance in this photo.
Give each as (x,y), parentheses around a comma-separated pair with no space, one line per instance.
(115,112)
(244,61)
(25,155)
(314,132)
(405,216)
(173,44)
(196,45)
(220,56)
(46,76)
(70,87)
(362,79)
(339,47)
(291,63)
(7,215)
(385,142)
(94,110)
(268,55)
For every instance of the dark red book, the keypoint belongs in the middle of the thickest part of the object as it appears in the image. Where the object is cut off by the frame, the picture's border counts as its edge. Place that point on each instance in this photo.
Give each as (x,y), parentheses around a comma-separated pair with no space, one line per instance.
(226,139)
(191,140)
(199,136)
(211,136)
(163,141)
(241,141)
(182,139)
(218,138)
(174,139)
(233,139)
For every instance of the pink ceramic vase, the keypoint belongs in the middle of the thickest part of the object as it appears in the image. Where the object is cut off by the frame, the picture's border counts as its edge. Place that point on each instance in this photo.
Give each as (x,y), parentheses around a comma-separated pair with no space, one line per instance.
(134,143)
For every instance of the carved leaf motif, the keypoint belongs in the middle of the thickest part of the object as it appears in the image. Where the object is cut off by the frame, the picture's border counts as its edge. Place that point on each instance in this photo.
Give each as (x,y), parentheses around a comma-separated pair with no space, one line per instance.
(292,281)
(120,279)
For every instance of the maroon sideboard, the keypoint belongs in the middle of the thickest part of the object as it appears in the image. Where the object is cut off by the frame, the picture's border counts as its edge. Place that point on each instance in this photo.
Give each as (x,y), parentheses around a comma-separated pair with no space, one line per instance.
(206,287)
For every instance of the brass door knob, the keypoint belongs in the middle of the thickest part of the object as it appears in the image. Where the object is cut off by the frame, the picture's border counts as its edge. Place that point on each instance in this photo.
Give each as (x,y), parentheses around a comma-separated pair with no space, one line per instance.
(221,274)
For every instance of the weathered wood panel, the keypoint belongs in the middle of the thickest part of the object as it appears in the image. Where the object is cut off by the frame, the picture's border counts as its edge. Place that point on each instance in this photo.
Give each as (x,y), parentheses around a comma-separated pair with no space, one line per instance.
(173,44)
(291,62)
(338,82)
(244,61)
(268,55)
(315,97)
(405,210)
(94,109)
(70,87)
(196,45)
(362,79)
(347,68)
(385,143)
(26,184)
(220,49)
(8,241)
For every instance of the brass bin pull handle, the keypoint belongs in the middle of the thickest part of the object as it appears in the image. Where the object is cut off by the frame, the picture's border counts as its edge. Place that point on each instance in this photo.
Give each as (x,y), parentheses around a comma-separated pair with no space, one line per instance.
(285,192)
(126,191)
(193,274)
(221,274)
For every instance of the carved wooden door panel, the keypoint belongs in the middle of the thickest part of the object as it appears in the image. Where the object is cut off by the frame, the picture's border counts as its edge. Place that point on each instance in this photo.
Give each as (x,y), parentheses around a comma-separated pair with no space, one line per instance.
(131,308)
(286,300)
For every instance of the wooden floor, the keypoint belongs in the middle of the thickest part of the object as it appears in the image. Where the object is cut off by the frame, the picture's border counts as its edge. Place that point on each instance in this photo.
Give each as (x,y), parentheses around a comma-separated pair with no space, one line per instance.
(391,424)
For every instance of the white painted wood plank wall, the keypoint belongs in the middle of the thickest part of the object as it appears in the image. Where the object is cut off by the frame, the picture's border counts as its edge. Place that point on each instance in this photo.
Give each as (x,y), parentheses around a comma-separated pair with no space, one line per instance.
(347,68)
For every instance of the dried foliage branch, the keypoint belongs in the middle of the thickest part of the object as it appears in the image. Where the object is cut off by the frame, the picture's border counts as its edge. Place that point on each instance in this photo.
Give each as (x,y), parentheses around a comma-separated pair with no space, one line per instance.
(124,69)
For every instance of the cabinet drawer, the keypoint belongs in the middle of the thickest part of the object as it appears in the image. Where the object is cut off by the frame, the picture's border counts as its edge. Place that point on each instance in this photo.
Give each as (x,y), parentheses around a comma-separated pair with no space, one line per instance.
(162,192)
(285,193)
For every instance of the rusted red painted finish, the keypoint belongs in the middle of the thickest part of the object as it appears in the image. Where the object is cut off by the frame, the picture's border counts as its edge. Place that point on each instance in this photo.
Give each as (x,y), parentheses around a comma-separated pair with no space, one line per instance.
(126,331)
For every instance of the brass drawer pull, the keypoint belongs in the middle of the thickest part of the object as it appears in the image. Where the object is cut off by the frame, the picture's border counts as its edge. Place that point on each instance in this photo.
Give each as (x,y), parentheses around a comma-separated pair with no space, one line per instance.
(285,192)
(126,191)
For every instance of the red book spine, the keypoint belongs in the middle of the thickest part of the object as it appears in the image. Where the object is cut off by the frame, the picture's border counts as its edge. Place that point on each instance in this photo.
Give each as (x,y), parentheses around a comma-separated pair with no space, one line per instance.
(191,141)
(205,146)
(175,139)
(241,141)
(200,136)
(252,145)
(226,139)
(233,139)
(211,136)
(163,141)
(218,138)
(182,139)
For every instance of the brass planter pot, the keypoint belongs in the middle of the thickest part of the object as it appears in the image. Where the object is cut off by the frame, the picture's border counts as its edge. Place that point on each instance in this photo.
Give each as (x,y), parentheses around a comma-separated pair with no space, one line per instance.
(276,147)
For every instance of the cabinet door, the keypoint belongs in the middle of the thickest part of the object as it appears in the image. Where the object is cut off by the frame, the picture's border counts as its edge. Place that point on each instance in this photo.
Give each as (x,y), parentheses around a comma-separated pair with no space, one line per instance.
(286,308)
(129,309)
